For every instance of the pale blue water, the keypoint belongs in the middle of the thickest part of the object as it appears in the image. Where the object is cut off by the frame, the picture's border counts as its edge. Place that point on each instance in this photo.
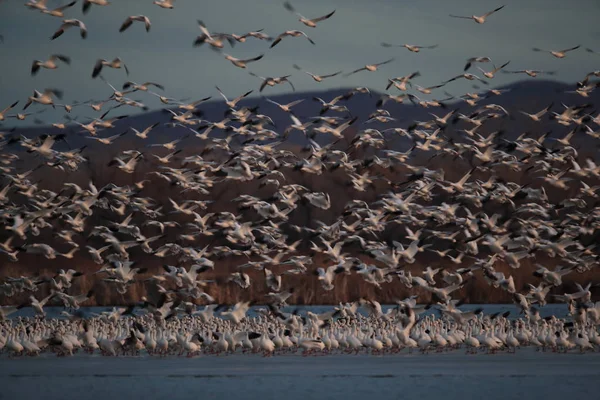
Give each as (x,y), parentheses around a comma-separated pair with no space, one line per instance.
(525,375)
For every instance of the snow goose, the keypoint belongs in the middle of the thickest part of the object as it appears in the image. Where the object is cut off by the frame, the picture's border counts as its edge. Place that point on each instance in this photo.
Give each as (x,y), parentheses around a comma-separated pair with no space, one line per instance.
(107,346)
(401,82)
(562,341)
(312,23)
(237,313)
(70,23)
(370,67)
(39,5)
(7,109)
(474,60)
(193,345)
(168,4)
(468,77)
(87,4)
(471,341)
(310,346)
(141,86)
(233,103)
(38,305)
(491,74)
(375,344)
(220,345)
(285,107)
(557,53)
(162,343)
(129,21)
(479,19)
(14,345)
(58,11)
(553,278)
(582,341)
(266,345)
(242,63)
(490,341)
(439,341)
(29,344)
(73,302)
(290,33)
(214,40)
(511,341)
(116,63)
(531,72)
(317,78)
(410,47)
(44,98)
(424,341)
(270,81)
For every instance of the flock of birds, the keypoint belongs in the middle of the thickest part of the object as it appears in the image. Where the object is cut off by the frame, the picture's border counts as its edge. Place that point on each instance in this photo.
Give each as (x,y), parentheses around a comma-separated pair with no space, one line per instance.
(439,218)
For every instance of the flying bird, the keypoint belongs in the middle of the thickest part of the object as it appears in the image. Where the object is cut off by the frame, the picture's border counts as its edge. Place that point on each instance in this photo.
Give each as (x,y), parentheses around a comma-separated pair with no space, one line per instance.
(50,63)
(312,23)
(116,63)
(58,11)
(479,19)
(317,78)
(129,21)
(410,47)
(557,53)
(242,63)
(70,23)
(87,4)
(371,67)
(291,33)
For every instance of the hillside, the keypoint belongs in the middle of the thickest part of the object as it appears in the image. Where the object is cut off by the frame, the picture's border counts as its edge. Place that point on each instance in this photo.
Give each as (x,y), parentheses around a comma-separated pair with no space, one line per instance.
(531,96)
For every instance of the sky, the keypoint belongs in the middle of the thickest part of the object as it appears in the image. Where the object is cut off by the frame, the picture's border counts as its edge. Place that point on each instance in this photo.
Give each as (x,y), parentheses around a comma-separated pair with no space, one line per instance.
(347,41)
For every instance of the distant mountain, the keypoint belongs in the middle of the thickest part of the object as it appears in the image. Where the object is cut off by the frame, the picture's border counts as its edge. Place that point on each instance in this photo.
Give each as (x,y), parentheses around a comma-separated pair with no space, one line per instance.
(530,95)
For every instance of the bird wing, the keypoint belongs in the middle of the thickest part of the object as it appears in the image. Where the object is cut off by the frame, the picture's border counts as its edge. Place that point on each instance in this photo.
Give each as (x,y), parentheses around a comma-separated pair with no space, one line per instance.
(288,6)
(493,11)
(324,17)
(126,24)
(385,62)
(570,49)
(357,70)
(331,75)
(253,59)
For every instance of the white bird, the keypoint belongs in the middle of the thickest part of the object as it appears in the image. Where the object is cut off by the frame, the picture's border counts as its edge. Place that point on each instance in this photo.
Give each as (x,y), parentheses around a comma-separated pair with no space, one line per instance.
(242,63)
(87,4)
(70,23)
(165,3)
(312,23)
(479,19)
(50,63)
(129,21)
(56,12)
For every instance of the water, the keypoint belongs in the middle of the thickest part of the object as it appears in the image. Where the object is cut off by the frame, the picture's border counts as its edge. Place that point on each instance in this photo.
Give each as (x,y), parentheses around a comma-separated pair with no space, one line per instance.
(293,377)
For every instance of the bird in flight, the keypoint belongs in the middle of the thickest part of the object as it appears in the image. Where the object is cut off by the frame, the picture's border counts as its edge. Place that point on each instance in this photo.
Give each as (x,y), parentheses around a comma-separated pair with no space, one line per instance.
(557,53)
(371,67)
(312,23)
(479,19)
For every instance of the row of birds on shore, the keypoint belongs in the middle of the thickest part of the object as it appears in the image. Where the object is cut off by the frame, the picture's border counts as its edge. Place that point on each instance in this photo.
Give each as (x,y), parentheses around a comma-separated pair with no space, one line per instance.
(467,225)
(343,330)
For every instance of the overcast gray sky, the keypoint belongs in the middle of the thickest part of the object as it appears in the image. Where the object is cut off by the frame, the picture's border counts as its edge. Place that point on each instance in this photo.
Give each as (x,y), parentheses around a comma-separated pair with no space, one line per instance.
(347,41)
